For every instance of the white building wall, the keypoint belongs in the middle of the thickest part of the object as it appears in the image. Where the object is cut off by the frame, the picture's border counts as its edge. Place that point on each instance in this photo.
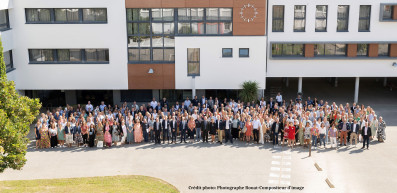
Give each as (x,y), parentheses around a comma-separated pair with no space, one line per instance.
(53,36)
(217,72)
(383,32)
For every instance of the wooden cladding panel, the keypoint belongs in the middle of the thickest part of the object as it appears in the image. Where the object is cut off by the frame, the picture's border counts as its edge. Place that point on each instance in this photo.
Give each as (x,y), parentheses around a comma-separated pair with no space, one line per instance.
(373,50)
(163,76)
(309,50)
(393,50)
(395,12)
(352,50)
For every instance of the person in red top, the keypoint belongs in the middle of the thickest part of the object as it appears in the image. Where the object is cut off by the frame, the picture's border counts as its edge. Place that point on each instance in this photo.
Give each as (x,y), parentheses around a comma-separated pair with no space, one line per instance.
(291,134)
(286,132)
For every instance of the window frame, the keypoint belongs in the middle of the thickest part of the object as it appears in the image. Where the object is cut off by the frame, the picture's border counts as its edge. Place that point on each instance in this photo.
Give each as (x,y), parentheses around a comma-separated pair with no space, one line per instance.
(54,21)
(223,54)
(278,19)
(193,62)
(343,18)
(57,61)
(242,56)
(321,18)
(10,66)
(283,45)
(365,19)
(382,10)
(388,50)
(299,18)
(359,54)
(5,26)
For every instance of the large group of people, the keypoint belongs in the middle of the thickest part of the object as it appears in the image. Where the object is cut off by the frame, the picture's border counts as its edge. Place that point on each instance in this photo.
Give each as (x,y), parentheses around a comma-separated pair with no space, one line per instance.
(298,122)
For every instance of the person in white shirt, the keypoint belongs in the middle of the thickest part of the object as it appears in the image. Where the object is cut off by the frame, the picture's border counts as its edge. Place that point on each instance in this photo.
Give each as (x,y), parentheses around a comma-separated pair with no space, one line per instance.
(89,108)
(256,124)
(279,99)
(322,132)
(154,103)
(102,106)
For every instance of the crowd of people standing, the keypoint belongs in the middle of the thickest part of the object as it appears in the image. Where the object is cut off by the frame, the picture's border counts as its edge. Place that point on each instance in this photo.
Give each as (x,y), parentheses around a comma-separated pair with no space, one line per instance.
(297,122)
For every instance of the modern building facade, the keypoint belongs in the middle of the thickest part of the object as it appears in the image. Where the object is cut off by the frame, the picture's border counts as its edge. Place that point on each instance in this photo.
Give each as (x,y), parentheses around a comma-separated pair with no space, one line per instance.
(132,50)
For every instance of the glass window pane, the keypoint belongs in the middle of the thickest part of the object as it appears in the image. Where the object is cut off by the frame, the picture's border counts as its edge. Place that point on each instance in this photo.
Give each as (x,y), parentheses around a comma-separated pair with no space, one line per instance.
(63,55)
(169,28)
(244,52)
(89,14)
(133,14)
(278,11)
(7,58)
(48,55)
(73,14)
(365,11)
(132,28)
(183,14)
(193,68)
(321,11)
(387,11)
(225,13)
(277,49)
(75,55)
(321,24)
(184,28)
(343,18)
(44,14)
(133,41)
(133,54)
(212,13)
(363,25)
(227,52)
(212,28)
(157,14)
(158,55)
(340,49)
(225,28)
(35,55)
(103,55)
(96,14)
(198,28)
(300,11)
(60,15)
(144,41)
(169,54)
(342,25)
(362,49)
(144,14)
(101,15)
(144,54)
(278,25)
(144,28)
(157,41)
(168,14)
(32,15)
(383,50)
(287,49)
(197,14)
(169,41)
(90,55)
(297,50)
(299,25)
(193,54)
(3,19)
(157,28)
(329,49)
(319,50)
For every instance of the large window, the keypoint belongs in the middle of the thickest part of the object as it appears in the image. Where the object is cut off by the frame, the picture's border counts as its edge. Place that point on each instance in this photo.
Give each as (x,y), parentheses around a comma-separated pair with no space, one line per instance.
(387,12)
(66,15)
(383,50)
(193,61)
(365,17)
(227,52)
(151,32)
(68,56)
(343,18)
(287,50)
(299,18)
(4,20)
(7,57)
(278,18)
(321,18)
(362,49)
(329,50)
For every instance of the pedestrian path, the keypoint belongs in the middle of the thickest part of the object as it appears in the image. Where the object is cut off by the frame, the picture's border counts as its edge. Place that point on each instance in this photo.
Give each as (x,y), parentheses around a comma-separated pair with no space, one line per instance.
(280,169)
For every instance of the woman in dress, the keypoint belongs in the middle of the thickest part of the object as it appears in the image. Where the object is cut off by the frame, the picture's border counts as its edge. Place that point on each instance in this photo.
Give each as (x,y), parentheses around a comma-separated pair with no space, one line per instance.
(300,133)
(307,134)
(191,124)
(286,133)
(261,130)
(77,135)
(124,129)
(248,125)
(108,136)
(61,132)
(130,129)
(91,135)
(381,130)
(99,131)
(291,134)
(213,130)
(84,133)
(68,135)
(37,132)
(44,141)
(115,133)
(138,135)
(235,127)
(53,135)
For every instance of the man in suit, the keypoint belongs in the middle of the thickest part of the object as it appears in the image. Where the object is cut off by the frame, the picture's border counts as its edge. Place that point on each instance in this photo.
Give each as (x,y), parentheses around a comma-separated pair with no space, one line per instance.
(205,128)
(271,103)
(355,127)
(182,128)
(165,125)
(157,129)
(228,127)
(219,126)
(366,133)
(276,128)
(173,126)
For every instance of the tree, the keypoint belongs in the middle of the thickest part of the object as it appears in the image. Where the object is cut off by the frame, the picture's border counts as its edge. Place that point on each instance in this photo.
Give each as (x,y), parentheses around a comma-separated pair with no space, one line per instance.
(249,92)
(16,114)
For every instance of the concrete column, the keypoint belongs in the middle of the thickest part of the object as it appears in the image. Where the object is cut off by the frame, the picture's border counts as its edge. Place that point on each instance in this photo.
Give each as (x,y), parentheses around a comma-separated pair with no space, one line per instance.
(356,89)
(385,82)
(193,87)
(117,97)
(336,82)
(70,97)
(300,85)
(286,82)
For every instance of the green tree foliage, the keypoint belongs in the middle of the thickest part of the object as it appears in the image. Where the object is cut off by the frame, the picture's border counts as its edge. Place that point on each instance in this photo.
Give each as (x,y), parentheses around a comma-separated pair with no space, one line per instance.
(16,114)
(249,91)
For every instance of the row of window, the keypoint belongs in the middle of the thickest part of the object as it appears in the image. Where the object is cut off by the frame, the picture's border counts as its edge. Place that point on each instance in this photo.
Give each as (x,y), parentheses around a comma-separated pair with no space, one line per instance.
(228,52)
(66,15)
(151,54)
(324,50)
(69,56)
(321,18)
(4,20)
